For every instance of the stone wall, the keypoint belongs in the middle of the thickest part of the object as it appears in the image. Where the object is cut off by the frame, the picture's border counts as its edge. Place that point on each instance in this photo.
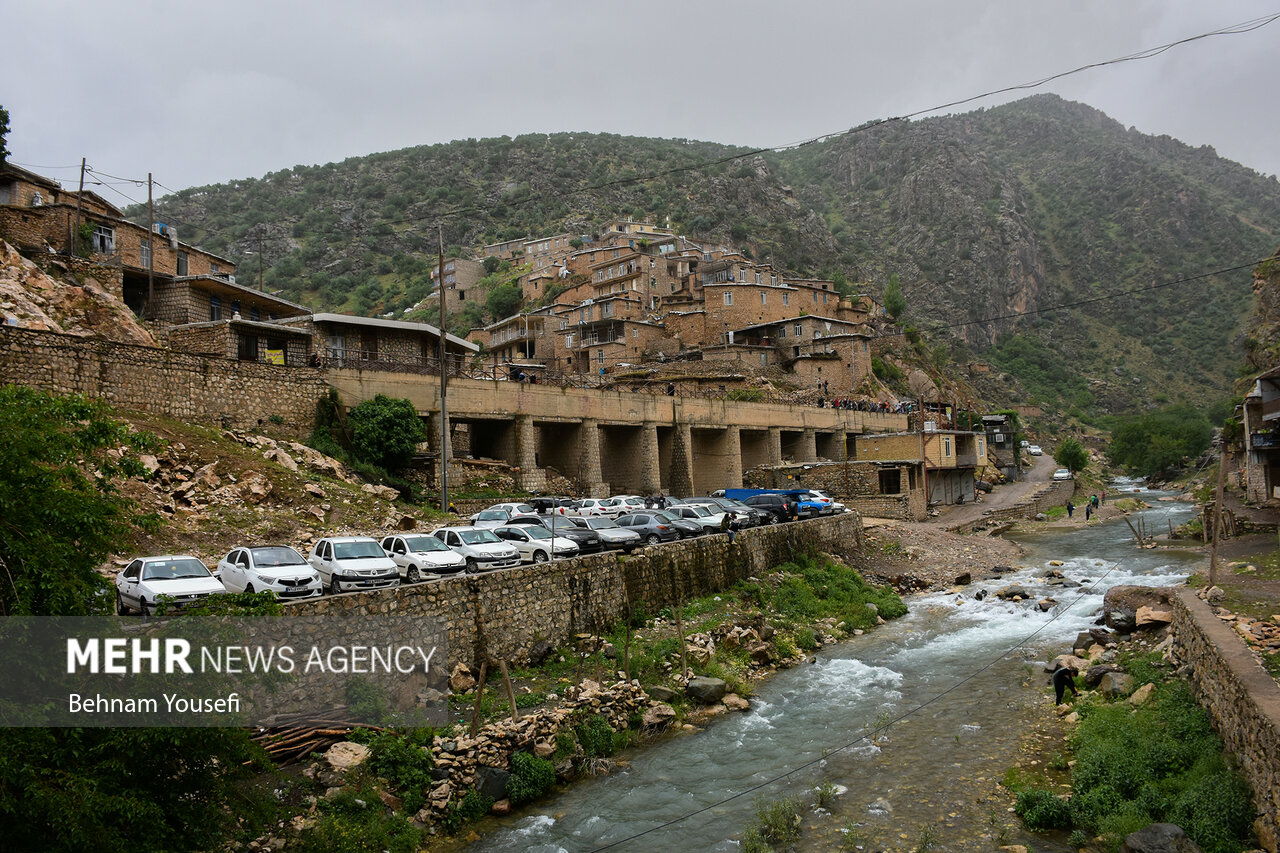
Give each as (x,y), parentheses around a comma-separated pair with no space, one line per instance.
(1241,698)
(197,388)
(503,614)
(1054,493)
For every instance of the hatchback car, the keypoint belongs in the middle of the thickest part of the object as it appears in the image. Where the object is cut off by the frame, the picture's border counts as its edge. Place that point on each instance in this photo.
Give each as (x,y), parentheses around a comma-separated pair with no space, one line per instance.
(536,544)
(650,526)
(174,581)
(491,518)
(420,557)
(348,563)
(270,568)
(479,547)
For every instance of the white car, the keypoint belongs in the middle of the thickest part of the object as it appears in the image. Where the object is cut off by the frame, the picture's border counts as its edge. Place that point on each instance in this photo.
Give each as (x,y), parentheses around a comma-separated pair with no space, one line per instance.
(835,504)
(479,547)
(536,544)
(176,581)
(599,508)
(1034,449)
(490,518)
(611,534)
(629,504)
(420,557)
(513,508)
(699,514)
(1062,474)
(270,568)
(353,562)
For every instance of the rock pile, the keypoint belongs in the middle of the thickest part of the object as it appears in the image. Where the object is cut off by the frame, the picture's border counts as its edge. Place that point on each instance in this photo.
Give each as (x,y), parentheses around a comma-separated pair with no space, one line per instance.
(1262,636)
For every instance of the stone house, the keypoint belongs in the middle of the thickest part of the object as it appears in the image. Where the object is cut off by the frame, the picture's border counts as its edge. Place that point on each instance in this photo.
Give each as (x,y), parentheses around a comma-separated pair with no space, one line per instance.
(1260,465)
(460,278)
(948,458)
(367,343)
(1002,444)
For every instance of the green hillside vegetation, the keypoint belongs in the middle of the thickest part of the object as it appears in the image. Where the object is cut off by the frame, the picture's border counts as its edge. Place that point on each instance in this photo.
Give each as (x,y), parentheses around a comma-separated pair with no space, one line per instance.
(989,220)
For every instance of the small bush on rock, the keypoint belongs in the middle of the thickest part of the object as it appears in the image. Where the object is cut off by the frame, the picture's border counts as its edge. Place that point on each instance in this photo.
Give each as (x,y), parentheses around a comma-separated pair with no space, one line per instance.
(531,778)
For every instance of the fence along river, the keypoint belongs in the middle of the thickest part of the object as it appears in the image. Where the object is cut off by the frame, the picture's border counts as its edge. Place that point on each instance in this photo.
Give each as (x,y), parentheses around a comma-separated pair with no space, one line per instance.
(972,668)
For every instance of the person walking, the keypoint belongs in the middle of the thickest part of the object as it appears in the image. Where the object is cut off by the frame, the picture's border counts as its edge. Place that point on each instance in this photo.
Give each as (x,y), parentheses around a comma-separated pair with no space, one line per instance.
(1093,499)
(1088,510)
(1071,508)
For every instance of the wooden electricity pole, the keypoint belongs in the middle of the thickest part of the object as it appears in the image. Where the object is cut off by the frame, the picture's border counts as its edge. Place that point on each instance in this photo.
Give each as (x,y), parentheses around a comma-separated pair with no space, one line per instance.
(1217,513)
(444,385)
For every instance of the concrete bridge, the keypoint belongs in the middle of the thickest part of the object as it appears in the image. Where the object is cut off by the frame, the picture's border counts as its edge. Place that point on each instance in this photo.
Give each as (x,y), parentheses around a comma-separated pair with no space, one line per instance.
(616,442)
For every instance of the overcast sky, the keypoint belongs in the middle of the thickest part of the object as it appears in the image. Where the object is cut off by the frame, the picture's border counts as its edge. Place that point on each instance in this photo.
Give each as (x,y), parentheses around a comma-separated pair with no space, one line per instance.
(207,93)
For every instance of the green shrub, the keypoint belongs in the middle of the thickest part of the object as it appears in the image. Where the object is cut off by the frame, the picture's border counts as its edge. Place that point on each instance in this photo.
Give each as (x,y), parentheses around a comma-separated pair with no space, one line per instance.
(806,639)
(385,431)
(356,822)
(1042,810)
(531,778)
(473,806)
(404,760)
(596,736)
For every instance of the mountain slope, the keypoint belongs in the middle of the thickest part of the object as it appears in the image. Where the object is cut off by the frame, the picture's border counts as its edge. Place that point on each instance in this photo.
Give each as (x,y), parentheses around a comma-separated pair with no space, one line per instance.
(988,218)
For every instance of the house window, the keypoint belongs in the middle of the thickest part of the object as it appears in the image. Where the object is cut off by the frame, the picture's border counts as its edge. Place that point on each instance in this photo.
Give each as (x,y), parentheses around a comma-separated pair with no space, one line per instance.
(635,333)
(891,482)
(728,298)
(764,298)
(759,277)
(337,346)
(946,447)
(799,330)
(815,296)
(786,299)
(254,314)
(600,356)
(146,253)
(824,299)
(104,240)
(182,263)
(215,307)
(235,307)
(214,269)
(248,349)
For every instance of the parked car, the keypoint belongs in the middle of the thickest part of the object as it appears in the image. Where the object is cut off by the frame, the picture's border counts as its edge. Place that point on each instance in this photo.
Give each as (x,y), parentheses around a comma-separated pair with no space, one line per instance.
(353,562)
(587,540)
(558,505)
(687,529)
(599,507)
(420,557)
(536,544)
(835,504)
(629,503)
(611,535)
(1034,449)
(650,526)
(177,581)
(749,516)
(824,504)
(700,515)
(1062,474)
(491,518)
(269,568)
(779,507)
(479,547)
(514,508)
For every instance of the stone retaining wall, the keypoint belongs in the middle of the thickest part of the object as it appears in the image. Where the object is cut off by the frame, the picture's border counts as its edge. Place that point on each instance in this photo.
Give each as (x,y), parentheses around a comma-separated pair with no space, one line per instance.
(1054,493)
(503,614)
(1241,698)
(197,388)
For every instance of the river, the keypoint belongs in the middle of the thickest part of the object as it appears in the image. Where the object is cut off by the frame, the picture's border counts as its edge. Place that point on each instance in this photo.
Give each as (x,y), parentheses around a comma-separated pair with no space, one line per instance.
(960,679)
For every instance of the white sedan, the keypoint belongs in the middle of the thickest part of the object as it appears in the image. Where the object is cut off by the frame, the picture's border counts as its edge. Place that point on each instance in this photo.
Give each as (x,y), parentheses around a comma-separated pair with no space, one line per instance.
(699,514)
(599,508)
(1062,474)
(422,557)
(175,581)
(270,568)
(1034,449)
(536,544)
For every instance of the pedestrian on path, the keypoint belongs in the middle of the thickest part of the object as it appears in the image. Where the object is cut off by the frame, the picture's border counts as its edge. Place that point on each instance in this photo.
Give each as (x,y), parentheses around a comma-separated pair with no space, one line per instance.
(1104,496)
(1088,510)
(1070,508)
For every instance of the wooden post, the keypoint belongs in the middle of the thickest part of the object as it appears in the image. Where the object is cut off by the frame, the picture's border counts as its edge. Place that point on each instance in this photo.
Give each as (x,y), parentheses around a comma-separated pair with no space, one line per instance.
(1217,514)
(475,712)
(511,693)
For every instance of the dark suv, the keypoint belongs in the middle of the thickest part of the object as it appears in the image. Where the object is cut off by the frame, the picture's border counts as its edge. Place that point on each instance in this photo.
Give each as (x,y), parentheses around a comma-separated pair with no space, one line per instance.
(779,507)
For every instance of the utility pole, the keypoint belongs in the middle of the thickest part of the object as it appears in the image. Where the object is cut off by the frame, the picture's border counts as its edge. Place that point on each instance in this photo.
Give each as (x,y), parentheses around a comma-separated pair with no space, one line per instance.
(1217,512)
(151,256)
(260,258)
(444,385)
(75,233)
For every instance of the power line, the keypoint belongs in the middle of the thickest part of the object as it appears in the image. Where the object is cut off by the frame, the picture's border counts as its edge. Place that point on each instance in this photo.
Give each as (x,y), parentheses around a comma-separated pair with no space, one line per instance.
(826,753)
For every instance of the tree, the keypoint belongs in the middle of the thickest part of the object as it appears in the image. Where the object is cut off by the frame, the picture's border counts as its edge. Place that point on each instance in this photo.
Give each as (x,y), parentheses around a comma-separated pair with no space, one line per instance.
(1071,455)
(895,304)
(385,431)
(4,131)
(1150,444)
(61,513)
(504,300)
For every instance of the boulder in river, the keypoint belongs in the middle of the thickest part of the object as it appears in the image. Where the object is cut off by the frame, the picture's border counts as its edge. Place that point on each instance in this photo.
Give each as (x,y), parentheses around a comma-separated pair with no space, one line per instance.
(706,690)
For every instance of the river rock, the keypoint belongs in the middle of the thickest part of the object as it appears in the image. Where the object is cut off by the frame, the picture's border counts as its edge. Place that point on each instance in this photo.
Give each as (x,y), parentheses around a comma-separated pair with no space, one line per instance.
(492,782)
(1159,838)
(1069,661)
(1116,684)
(1121,621)
(1215,595)
(662,694)
(706,690)
(1125,601)
(346,755)
(1013,591)
(1148,616)
(734,702)
(1046,604)
(1093,675)
(659,716)
(963,579)
(1142,694)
